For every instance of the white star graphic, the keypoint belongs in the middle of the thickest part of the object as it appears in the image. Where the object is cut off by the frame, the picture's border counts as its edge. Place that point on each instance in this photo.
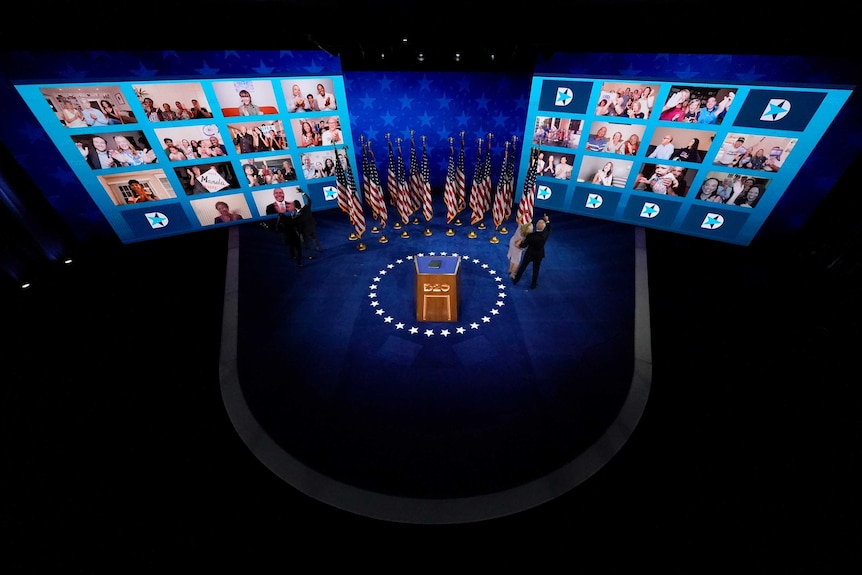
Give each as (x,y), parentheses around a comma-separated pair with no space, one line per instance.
(414,330)
(444,332)
(429,332)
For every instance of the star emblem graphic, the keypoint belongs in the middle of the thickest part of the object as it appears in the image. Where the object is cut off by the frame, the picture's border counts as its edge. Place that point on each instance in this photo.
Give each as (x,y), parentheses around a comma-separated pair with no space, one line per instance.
(330,193)
(712,221)
(650,210)
(775,110)
(157,220)
(564,97)
(543,193)
(594,201)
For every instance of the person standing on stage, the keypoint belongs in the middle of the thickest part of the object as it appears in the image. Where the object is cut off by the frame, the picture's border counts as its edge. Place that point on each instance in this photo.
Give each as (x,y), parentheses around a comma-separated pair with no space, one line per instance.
(306,224)
(515,250)
(534,251)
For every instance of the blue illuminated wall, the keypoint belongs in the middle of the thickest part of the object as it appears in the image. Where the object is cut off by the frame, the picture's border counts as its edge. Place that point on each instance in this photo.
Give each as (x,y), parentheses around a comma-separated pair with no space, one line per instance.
(836,143)
(625,157)
(432,107)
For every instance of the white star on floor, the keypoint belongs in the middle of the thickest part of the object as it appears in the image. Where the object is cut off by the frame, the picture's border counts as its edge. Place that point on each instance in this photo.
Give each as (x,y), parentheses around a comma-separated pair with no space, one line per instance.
(444,332)
(429,332)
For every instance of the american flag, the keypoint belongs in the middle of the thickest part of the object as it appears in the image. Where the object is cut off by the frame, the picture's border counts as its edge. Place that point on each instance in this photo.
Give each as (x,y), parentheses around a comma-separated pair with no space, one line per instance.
(392,175)
(364,176)
(416,192)
(525,207)
(375,192)
(510,182)
(357,215)
(404,207)
(460,180)
(499,210)
(485,186)
(476,187)
(427,210)
(450,191)
(343,193)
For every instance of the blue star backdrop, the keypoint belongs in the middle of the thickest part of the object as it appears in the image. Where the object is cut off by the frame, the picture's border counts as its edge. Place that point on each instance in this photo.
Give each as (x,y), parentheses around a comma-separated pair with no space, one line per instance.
(429,107)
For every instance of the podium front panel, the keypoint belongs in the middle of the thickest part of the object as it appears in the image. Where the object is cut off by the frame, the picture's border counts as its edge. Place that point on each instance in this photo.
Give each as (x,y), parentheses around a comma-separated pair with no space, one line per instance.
(438,287)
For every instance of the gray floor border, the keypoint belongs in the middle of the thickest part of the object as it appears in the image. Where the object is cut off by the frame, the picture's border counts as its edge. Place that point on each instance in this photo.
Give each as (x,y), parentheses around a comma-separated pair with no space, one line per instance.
(436,511)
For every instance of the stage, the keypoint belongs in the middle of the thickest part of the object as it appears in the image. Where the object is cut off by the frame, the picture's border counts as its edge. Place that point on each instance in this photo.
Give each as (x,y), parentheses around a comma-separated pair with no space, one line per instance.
(333,383)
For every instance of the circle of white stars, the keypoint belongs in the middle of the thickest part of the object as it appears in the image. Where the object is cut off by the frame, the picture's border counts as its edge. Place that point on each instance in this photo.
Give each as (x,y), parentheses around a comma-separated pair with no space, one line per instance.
(458,329)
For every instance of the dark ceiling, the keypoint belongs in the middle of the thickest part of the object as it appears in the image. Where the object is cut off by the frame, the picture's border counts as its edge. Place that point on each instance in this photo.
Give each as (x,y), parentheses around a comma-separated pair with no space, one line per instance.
(359,31)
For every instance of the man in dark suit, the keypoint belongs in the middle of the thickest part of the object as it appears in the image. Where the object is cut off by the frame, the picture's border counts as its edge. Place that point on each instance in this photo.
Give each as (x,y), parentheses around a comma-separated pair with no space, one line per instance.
(280,205)
(98,155)
(306,223)
(534,251)
(287,224)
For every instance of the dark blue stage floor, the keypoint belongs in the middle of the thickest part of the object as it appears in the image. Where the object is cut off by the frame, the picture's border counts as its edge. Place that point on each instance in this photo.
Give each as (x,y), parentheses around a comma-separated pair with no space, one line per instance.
(525,395)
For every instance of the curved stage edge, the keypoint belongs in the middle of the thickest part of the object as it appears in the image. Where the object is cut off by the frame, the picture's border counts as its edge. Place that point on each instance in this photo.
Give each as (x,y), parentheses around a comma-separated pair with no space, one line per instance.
(434,511)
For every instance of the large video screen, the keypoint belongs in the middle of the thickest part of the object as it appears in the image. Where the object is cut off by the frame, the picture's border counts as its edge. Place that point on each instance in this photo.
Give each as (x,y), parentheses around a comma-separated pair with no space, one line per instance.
(708,160)
(172,157)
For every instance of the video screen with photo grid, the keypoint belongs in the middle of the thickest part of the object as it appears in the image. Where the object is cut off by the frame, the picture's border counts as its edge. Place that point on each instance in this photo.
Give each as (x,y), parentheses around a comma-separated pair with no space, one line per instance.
(163,158)
(648,152)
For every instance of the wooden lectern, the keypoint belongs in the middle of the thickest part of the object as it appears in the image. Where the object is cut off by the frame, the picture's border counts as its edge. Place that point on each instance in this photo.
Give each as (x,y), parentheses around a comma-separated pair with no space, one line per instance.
(438,287)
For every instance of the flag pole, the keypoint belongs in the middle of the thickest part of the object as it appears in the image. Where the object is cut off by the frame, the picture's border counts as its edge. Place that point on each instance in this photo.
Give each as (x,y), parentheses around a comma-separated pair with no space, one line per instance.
(510,185)
(460,180)
(497,211)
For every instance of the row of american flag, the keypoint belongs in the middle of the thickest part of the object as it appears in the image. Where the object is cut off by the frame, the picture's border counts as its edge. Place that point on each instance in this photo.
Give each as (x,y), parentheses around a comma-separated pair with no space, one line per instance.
(409,193)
